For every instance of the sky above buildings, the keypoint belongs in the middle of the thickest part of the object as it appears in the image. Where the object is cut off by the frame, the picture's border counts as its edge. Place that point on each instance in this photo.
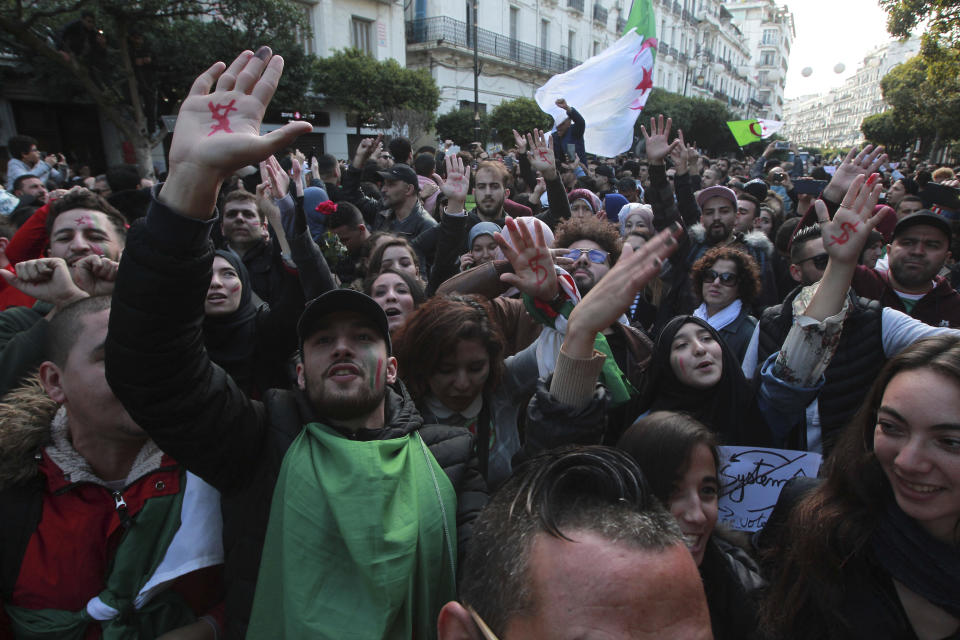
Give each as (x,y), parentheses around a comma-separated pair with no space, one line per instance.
(831,32)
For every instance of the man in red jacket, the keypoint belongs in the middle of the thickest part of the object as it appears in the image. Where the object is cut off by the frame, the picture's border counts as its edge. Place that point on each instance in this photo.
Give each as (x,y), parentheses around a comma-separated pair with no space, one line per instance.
(920,247)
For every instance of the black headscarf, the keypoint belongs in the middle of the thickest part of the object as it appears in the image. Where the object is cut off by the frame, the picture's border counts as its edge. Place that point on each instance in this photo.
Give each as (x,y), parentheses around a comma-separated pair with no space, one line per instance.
(231,339)
(729,407)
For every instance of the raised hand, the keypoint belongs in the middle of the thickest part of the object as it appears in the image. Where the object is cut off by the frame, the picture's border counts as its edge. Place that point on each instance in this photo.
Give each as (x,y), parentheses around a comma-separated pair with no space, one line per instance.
(562,103)
(521,142)
(862,163)
(615,292)
(273,173)
(95,275)
(296,175)
(457,185)
(46,279)
(541,154)
(679,155)
(219,132)
(845,237)
(367,148)
(656,141)
(531,259)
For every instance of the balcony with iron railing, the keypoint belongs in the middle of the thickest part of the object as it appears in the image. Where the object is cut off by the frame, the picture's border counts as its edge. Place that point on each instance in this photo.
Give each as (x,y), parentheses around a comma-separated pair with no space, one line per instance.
(600,14)
(445,31)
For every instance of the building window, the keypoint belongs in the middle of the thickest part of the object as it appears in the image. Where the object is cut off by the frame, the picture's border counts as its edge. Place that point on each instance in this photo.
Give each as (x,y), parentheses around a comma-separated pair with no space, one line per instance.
(571,41)
(771,36)
(596,47)
(361,37)
(768,58)
(544,34)
(304,35)
(467,105)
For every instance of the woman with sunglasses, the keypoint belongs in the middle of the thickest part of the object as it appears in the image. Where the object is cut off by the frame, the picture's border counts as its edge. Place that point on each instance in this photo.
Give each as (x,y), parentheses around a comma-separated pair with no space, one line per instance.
(727,282)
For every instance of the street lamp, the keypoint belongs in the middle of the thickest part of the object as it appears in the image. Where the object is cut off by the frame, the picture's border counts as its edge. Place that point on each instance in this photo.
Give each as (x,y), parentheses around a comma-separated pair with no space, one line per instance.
(476,76)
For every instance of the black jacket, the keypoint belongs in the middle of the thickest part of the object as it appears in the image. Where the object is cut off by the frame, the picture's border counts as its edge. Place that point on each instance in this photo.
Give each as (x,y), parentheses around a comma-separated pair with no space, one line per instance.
(194,411)
(858,358)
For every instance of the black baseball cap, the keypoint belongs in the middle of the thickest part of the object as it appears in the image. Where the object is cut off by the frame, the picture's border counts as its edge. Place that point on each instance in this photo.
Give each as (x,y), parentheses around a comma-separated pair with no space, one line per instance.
(924,216)
(343,300)
(402,172)
(757,188)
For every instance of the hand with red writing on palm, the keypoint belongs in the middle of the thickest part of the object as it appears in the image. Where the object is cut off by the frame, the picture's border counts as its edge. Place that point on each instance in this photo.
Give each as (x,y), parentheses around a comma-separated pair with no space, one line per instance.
(218,131)
(845,237)
(533,272)
(541,154)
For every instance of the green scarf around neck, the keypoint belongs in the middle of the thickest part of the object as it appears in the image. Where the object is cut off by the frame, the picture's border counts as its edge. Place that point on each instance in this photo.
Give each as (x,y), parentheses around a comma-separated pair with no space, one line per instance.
(361,541)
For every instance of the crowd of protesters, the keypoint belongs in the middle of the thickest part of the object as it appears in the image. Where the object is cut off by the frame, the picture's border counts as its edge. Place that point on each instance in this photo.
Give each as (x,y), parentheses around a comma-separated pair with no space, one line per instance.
(443,393)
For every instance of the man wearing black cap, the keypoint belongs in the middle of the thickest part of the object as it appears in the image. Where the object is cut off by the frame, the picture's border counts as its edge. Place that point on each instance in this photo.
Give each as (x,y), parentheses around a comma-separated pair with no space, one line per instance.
(399,210)
(343,513)
(920,248)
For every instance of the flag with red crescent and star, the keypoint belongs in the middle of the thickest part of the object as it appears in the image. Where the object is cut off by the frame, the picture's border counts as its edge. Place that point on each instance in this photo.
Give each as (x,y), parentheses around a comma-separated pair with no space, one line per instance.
(610,89)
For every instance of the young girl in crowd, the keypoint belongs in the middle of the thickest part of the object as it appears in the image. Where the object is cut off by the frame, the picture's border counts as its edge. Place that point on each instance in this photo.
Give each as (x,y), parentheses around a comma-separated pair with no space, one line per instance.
(727,281)
(680,460)
(450,356)
(397,292)
(874,551)
(395,253)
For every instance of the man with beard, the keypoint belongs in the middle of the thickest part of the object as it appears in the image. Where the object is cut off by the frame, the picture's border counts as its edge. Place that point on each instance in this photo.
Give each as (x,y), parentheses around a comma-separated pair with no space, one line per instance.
(920,248)
(398,210)
(594,245)
(335,495)
(718,216)
(491,190)
(87,236)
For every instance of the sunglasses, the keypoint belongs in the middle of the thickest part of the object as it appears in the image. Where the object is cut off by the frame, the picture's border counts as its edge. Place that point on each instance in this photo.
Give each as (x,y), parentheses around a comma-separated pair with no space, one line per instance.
(727,279)
(595,256)
(819,261)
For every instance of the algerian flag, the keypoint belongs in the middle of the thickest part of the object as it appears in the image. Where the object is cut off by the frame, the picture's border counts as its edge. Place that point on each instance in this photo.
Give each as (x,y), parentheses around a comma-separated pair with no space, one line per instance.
(611,88)
(747,131)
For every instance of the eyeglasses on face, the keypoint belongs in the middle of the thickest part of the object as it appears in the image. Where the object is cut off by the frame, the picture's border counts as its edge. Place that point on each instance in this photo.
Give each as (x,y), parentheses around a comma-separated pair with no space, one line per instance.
(728,279)
(819,261)
(595,256)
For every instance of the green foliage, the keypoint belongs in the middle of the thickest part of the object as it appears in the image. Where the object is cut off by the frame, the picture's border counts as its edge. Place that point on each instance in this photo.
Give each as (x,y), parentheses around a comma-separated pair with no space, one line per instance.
(364,86)
(180,39)
(925,101)
(522,114)
(704,122)
(886,129)
(458,126)
(940,17)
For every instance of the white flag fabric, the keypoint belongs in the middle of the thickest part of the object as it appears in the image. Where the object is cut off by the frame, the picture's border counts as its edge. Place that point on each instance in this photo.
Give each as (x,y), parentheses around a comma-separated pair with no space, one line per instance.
(769,127)
(609,90)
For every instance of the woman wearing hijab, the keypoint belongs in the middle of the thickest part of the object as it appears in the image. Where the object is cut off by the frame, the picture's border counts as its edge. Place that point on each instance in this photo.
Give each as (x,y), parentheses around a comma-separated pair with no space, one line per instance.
(250,340)
(691,370)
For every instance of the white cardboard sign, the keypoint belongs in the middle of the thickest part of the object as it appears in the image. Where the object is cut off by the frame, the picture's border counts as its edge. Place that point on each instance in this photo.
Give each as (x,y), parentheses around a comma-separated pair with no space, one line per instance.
(751,479)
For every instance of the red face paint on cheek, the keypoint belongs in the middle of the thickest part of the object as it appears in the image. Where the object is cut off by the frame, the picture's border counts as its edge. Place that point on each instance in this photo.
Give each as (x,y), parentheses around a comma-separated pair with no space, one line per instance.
(236,288)
(379,369)
(683,368)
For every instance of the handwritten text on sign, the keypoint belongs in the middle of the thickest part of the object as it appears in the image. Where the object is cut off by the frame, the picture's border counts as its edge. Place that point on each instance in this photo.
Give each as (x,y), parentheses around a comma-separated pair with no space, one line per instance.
(751,479)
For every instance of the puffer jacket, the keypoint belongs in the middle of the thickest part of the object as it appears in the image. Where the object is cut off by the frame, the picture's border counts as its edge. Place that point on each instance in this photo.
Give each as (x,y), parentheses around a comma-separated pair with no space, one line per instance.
(157,367)
(62,524)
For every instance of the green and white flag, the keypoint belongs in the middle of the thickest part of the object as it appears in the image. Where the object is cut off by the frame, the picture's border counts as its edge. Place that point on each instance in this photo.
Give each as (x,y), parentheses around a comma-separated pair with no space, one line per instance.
(611,88)
(747,131)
